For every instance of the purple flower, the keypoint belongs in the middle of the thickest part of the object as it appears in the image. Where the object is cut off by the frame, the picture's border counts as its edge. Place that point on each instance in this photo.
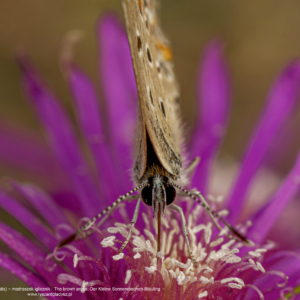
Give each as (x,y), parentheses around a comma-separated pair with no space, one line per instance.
(77,187)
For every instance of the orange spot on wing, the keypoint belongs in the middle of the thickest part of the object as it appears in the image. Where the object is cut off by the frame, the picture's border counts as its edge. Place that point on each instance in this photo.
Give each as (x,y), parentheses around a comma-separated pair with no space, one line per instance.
(140,5)
(166,51)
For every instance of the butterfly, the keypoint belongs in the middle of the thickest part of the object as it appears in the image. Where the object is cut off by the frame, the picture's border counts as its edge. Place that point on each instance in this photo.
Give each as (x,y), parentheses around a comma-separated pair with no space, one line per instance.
(158,167)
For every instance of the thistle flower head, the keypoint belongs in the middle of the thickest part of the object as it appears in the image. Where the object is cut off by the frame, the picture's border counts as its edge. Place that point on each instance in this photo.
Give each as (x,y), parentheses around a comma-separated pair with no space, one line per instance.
(92,268)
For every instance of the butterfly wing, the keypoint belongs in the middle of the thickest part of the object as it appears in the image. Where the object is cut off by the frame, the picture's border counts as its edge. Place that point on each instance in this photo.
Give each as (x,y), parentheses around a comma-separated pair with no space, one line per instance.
(157,88)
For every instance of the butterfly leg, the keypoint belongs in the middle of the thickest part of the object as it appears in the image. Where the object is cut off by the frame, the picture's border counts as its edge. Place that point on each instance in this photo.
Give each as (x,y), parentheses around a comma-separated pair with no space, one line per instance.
(80,231)
(88,232)
(214,215)
(184,229)
(207,207)
(133,221)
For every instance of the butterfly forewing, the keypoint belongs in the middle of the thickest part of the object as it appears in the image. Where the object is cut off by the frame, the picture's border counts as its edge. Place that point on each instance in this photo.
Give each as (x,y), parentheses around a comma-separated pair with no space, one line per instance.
(157,88)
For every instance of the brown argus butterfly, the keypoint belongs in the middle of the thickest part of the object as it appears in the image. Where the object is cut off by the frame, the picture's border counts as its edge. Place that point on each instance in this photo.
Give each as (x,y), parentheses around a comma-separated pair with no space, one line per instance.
(158,170)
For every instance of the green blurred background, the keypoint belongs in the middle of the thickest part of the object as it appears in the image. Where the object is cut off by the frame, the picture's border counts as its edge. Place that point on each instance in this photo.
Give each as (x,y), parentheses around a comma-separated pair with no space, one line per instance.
(260,38)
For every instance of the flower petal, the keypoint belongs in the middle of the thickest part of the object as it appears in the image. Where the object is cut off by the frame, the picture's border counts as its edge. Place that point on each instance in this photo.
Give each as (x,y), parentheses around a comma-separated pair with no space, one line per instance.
(61,138)
(286,262)
(290,266)
(212,113)
(31,222)
(29,252)
(67,200)
(120,93)
(23,273)
(88,112)
(43,203)
(101,267)
(23,150)
(265,218)
(279,106)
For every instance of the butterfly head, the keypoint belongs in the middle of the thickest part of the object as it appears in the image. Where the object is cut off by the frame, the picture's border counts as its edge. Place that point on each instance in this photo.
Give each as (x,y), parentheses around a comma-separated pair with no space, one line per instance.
(158,193)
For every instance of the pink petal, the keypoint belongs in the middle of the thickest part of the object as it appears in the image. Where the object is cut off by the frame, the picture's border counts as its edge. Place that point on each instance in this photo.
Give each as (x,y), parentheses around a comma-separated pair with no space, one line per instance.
(61,138)
(212,113)
(284,262)
(23,273)
(31,222)
(279,106)
(120,93)
(28,251)
(23,150)
(88,112)
(43,203)
(265,218)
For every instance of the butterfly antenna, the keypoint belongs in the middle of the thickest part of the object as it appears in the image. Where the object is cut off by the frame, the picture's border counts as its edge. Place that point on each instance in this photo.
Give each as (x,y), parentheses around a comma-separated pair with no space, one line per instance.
(237,235)
(80,232)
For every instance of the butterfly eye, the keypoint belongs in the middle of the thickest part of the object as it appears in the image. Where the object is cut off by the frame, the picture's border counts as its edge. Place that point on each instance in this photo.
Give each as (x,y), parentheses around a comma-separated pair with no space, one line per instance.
(147,195)
(162,107)
(170,194)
